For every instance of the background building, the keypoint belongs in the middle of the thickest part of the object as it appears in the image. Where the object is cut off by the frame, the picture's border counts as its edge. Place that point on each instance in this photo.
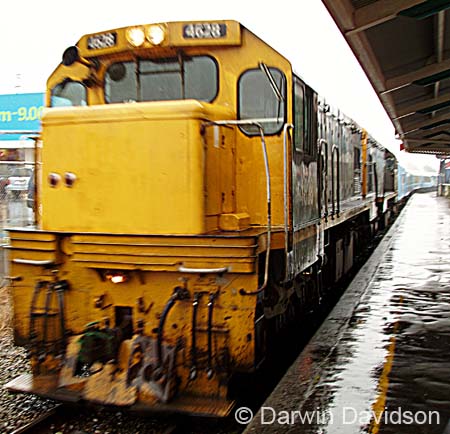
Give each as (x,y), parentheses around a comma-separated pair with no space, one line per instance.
(19,113)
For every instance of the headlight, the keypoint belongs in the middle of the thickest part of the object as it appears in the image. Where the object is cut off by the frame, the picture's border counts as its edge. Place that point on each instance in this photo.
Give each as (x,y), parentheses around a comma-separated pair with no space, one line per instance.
(136,36)
(155,34)
(116,276)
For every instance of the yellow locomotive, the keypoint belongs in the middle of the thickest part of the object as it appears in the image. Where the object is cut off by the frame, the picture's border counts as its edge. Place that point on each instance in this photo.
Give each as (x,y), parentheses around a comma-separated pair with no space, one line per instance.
(193,197)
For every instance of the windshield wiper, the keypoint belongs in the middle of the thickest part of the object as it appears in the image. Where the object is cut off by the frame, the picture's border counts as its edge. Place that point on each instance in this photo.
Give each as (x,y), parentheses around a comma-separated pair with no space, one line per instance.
(273,85)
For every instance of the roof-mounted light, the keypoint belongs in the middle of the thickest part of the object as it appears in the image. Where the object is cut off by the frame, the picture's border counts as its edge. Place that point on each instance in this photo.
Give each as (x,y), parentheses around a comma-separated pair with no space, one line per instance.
(156,34)
(136,36)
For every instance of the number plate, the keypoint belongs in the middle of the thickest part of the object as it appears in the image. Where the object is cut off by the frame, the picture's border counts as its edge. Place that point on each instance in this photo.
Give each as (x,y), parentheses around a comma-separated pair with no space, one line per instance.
(102,40)
(204,31)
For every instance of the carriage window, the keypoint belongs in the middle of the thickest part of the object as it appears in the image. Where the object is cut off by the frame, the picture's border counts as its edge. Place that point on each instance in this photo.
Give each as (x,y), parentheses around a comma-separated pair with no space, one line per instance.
(310,143)
(299,116)
(162,80)
(258,101)
(68,93)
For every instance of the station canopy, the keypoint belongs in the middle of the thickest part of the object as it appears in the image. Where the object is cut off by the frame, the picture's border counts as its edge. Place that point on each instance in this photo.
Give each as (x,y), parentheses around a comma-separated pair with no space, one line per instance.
(404,48)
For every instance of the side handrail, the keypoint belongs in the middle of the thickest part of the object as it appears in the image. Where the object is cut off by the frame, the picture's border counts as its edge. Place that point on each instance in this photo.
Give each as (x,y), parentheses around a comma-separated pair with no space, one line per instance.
(322,177)
(268,194)
(375,176)
(286,129)
(373,164)
(335,181)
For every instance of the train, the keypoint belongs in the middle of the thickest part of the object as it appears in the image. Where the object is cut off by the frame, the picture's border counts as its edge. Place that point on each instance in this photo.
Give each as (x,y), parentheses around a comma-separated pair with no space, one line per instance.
(194,198)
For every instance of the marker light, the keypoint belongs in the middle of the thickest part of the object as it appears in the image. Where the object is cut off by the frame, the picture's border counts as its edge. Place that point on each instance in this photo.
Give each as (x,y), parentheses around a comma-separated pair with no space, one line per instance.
(155,34)
(69,179)
(136,36)
(54,179)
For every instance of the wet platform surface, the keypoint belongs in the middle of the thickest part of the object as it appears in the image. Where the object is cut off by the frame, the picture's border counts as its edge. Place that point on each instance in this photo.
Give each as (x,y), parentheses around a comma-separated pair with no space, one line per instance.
(380,363)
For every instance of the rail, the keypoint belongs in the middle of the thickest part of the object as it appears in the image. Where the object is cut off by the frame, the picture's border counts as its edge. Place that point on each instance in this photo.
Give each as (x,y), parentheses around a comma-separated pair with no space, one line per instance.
(31,427)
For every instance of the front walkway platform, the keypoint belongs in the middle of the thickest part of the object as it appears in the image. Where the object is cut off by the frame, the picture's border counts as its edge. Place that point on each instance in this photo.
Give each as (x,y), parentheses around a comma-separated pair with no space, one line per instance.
(380,363)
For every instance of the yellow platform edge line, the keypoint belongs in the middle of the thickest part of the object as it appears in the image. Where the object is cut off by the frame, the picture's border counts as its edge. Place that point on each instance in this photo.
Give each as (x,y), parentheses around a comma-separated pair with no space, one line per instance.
(378,406)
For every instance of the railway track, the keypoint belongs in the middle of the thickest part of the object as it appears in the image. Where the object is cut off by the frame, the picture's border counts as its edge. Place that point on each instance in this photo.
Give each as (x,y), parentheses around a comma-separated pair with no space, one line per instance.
(33,426)
(69,419)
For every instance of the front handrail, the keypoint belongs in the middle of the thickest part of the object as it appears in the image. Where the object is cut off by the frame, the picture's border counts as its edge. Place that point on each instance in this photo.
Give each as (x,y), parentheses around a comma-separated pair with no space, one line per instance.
(33,262)
(218,270)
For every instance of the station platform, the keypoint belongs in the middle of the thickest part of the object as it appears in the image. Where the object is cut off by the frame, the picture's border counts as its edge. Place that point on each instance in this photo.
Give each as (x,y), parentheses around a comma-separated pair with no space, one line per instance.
(380,363)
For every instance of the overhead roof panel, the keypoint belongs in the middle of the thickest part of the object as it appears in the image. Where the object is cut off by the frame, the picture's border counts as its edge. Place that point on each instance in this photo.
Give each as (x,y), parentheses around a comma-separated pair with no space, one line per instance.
(404,48)
(396,54)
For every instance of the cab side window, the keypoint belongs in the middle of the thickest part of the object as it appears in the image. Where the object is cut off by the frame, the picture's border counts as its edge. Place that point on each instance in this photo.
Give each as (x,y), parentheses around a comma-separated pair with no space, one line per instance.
(258,101)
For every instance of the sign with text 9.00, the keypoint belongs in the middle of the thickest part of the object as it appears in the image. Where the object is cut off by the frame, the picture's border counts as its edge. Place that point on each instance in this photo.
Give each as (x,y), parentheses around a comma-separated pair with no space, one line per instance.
(20,112)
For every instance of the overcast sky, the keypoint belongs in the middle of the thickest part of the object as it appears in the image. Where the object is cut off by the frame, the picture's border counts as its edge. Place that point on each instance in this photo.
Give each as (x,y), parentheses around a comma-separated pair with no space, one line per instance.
(34,34)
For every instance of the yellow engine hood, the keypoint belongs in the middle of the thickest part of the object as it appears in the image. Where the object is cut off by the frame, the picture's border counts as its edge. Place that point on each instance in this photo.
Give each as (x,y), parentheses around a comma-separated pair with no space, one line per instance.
(139,168)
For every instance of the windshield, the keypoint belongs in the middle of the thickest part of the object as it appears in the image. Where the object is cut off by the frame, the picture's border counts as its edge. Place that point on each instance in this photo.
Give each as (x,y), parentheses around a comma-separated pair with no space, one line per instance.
(69,93)
(162,80)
